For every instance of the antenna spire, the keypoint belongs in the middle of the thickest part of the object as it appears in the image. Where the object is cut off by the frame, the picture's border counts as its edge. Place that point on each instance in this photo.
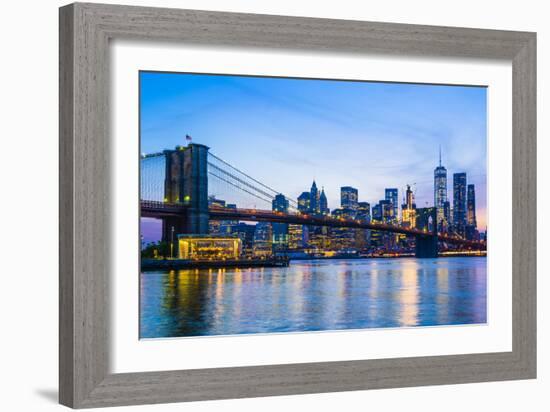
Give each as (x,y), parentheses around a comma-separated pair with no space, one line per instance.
(439,155)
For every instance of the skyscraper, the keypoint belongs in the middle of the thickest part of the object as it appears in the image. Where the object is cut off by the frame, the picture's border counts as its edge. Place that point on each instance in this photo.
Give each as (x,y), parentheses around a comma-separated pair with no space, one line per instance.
(263,240)
(362,237)
(440,194)
(363,211)
(387,210)
(348,197)
(408,209)
(377,212)
(280,230)
(323,203)
(471,221)
(392,197)
(471,206)
(459,203)
(314,199)
(304,202)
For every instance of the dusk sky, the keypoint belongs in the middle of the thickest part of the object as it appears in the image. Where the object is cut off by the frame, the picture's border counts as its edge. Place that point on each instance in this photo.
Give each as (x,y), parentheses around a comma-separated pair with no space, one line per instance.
(287,132)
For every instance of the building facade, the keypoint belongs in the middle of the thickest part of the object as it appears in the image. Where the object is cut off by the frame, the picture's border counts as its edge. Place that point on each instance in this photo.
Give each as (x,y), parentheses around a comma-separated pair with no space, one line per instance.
(408,209)
(349,197)
(392,196)
(280,230)
(459,203)
(440,196)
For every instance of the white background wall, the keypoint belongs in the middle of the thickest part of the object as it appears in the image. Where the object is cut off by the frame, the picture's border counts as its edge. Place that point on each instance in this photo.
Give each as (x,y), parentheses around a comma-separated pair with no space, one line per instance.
(28,172)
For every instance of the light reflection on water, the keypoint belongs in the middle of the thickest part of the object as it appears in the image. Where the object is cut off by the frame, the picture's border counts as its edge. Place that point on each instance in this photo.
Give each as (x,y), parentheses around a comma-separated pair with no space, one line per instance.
(314,295)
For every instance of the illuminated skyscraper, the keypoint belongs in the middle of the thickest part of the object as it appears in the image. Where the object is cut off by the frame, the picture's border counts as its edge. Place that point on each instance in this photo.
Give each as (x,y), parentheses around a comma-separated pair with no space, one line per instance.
(262,240)
(440,194)
(392,197)
(388,211)
(323,203)
(471,205)
(363,211)
(362,237)
(304,202)
(459,203)
(471,221)
(296,237)
(314,199)
(348,197)
(408,209)
(447,214)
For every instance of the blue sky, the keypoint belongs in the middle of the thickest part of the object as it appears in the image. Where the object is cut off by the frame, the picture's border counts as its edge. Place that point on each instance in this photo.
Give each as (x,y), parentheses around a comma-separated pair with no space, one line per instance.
(287,132)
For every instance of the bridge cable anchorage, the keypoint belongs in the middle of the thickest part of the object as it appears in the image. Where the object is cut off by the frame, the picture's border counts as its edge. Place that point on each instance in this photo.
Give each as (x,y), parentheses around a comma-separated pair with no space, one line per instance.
(275,192)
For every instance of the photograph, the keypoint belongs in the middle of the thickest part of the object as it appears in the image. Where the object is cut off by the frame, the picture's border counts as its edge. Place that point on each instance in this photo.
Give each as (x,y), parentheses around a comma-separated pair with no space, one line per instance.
(302,205)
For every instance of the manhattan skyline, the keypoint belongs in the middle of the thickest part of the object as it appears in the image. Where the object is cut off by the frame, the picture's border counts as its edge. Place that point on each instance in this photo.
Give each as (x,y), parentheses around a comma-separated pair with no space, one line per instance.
(370,136)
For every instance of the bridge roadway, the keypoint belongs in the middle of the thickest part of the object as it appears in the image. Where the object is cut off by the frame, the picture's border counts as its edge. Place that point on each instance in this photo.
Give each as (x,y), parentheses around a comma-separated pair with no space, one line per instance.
(156,209)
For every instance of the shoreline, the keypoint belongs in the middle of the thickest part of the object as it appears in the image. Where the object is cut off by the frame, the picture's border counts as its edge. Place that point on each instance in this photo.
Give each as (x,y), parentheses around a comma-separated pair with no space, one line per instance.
(149,265)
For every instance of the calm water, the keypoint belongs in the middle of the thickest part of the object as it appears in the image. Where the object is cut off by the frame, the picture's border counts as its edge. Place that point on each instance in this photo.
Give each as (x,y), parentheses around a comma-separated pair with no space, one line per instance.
(314,295)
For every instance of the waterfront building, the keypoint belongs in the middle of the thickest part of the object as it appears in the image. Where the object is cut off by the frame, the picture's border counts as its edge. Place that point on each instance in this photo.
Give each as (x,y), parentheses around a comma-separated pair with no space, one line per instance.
(262,243)
(314,199)
(440,195)
(304,202)
(245,232)
(349,197)
(296,236)
(343,237)
(323,203)
(318,238)
(208,247)
(392,196)
(459,203)
(280,230)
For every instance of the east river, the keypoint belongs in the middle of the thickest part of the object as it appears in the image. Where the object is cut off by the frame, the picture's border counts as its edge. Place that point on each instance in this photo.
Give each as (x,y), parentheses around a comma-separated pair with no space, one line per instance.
(314,295)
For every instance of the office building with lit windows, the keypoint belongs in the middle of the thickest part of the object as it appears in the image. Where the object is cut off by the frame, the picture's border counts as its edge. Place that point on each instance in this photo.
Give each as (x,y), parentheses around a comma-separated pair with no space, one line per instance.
(471,220)
(280,230)
(348,197)
(323,203)
(440,195)
(408,209)
(392,196)
(304,202)
(459,203)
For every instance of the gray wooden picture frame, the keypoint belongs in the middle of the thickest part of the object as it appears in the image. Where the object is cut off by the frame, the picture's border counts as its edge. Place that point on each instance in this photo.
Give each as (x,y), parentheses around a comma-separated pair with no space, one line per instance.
(85,32)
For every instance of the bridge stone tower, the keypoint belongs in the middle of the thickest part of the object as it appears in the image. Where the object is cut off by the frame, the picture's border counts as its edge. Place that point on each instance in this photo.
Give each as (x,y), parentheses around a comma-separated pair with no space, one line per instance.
(427,245)
(186,182)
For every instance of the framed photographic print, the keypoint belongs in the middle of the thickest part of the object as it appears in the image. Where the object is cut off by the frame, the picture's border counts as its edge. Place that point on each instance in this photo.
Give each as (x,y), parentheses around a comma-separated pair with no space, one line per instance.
(258,205)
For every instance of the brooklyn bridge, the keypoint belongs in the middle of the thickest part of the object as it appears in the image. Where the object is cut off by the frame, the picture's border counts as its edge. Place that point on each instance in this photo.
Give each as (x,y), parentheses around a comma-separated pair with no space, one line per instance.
(175,186)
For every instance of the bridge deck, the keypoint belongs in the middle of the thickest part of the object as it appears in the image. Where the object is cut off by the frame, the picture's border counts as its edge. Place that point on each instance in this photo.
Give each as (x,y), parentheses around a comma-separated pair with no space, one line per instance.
(157,209)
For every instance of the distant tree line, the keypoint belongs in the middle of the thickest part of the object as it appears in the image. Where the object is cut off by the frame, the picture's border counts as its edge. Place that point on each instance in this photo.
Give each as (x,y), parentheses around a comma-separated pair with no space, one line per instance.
(158,250)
